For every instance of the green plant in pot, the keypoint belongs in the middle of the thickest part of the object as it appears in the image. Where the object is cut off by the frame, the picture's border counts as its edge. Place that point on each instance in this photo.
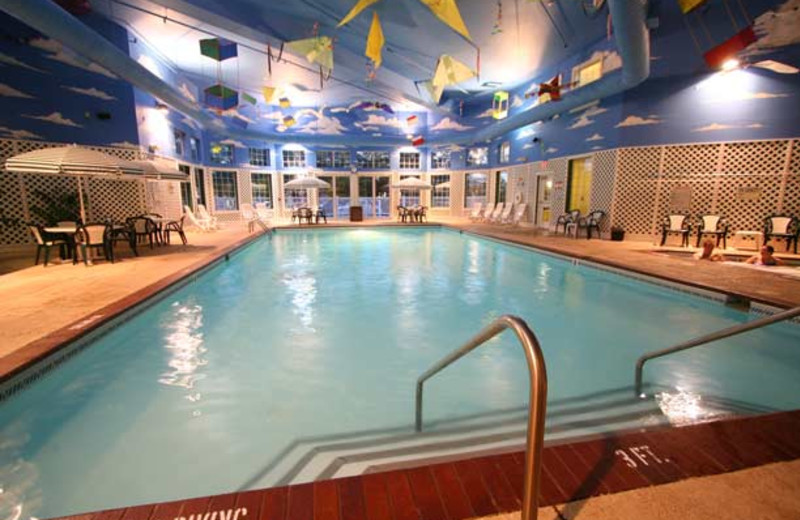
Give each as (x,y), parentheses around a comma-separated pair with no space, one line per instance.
(54,207)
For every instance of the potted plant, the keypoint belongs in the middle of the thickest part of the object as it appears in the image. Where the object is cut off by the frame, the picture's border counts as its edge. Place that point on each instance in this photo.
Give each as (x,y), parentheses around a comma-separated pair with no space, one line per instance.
(617,233)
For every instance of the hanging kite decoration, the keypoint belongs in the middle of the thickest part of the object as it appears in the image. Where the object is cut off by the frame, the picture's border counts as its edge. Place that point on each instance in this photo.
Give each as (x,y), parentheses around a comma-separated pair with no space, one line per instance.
(219,97)
(549,90)
(269,94)
(411,120)
(289,121)
(316,50)
(417,141)
(445,10)
(689,5)
(449,71)
(284,102)
(498,23)
(375,105)
(500,105)
(375,42)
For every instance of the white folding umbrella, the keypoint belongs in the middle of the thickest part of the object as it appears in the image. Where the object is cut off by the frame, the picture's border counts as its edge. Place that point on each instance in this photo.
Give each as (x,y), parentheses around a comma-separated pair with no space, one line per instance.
(71,160)
(412,183)
(159,168)
(308,183)
(443,185)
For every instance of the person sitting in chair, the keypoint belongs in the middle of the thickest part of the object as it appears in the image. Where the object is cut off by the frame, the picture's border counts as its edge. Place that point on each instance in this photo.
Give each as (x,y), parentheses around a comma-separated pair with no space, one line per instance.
(764,257)
(708,253)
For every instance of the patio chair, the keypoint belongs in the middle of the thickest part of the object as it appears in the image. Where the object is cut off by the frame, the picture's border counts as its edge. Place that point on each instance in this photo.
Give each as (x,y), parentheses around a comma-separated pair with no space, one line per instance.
(45,243)
(783,227)
(421,213)
(201,224)
(475,213)
(321,215)
(403,213)
(505,216)
(487,212)
(248,216)
(498,210)
(175,226)
(203,213)
(305,214)
(519,212)
(568,218)
(712,225)
(93,236)
(264,213)
(143,230)
(591,221)
(121,232)
(676,224)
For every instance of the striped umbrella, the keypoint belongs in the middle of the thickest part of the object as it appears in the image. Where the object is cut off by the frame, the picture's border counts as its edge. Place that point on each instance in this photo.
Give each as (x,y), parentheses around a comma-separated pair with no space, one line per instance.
(71,160)
(159,168)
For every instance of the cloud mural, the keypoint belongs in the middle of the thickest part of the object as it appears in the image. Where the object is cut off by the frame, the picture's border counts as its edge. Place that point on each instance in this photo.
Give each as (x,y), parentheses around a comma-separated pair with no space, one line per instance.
(778,28)
(714,127)
(320,124)
(8,91)
(187,93)
(377,120)
(58,52)
(93,92)
(449,124)
(489,112)
(18,134)
(637,121)
(5,59)
(581,122)
(55,118)
(595,137)
(552,149)
(233,142)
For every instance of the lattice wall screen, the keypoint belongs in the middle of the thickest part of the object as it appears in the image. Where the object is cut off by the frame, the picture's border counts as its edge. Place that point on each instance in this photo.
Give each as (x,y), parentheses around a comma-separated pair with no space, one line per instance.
(604,166)
(635,189)
(559,168)
(114,199)
(12,206)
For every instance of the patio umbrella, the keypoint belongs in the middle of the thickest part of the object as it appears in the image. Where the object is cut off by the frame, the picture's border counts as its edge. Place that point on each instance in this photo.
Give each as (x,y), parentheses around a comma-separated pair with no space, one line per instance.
(412,183)
(443,185)
(308,183)
(71,160)
(158,168)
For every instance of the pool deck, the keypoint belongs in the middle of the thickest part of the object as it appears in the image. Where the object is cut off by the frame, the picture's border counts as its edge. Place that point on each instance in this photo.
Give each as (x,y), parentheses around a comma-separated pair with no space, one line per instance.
(43,308)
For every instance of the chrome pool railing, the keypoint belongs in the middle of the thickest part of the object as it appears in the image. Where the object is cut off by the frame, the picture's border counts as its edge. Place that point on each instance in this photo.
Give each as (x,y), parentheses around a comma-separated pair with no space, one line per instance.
(708,338)
(537,399)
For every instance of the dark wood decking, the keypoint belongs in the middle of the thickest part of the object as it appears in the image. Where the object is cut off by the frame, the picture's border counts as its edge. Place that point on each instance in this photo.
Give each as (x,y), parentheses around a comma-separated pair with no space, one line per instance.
(489,485)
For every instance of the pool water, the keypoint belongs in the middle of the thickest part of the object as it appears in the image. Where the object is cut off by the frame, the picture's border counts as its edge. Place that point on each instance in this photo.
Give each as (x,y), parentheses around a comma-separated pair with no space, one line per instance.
(319,336)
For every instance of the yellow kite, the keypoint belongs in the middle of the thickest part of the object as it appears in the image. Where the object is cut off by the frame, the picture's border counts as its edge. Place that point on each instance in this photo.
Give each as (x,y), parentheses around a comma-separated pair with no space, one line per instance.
(375,41)
(316,50)
(356,10)
(447,11)
(450,71)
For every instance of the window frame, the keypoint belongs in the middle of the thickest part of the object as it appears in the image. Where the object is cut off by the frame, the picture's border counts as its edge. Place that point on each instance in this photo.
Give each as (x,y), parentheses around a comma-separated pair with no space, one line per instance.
(440,194)
(467,195)
(263,161)
(409,160)
(377,159)
(469,160)
(220,189)
(225,150)
(436,163)
(339,159)
(504,152)
(294,158)
(270,199)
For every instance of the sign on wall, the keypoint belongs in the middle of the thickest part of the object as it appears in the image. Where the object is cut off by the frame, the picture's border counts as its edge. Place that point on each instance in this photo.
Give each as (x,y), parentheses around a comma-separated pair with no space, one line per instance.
(681,198)
(748,193)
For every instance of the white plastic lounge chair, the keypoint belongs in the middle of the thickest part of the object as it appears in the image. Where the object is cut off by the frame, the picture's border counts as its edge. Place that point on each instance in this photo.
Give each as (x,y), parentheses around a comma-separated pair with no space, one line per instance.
(475,214)
(519,211)
(248,216)
(203,213)
(505,216)
(199,223)
(263,216)
(498,210)
(487,212)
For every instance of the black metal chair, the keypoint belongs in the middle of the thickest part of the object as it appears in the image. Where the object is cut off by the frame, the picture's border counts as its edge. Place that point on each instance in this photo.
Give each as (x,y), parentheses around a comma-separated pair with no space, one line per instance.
(305,214)
(783,227)
(403,213)
(422,213)
(143,230)
(591,221)
(94,236)
(321,215)
(676,224)
(712,225)
(175,226)
(43,241)
(568,218)
(121,232)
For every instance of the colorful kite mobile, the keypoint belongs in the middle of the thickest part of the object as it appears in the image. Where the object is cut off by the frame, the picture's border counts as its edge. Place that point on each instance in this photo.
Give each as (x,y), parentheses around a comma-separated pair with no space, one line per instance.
(219,97)
(445,10)
(377,105)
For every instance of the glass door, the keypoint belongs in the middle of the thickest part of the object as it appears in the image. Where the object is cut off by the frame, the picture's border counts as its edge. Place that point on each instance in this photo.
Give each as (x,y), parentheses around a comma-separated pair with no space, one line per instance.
(373,195)
(580,185)
(544,191)
(383,208)
(366,195)
(342,187)
(326,197)
(501,187)
(199,187)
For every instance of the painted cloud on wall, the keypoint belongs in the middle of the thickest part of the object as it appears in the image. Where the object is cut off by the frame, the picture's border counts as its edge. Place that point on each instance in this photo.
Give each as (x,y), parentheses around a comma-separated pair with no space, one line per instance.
(778,28)
(8,91)
(18,134)
(233,142)
(5,59)
(376,120)
(713,127)
(57,52)
(580,123)
(187,93)
(489,112)
(93,92)
(637,121)
(55,118)
(449,124)
(320,124)
(595,137)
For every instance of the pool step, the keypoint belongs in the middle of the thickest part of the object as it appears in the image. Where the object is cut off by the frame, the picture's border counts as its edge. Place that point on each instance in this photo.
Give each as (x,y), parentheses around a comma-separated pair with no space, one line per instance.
(355,453)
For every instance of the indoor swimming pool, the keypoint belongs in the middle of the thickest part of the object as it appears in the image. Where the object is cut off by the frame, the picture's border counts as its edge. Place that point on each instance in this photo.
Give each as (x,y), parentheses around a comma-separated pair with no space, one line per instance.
(307,344)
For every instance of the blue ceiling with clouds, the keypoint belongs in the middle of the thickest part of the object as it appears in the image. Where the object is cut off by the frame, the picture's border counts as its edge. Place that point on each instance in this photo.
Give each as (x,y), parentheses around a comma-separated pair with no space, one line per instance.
(47,92)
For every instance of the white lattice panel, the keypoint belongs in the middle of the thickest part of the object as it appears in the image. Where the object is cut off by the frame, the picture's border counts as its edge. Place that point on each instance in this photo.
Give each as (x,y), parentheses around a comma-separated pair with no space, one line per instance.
(114,199)
(603,173)
(164,198)
(765,157)
(748,214)
(559,168)
(245,184)
(794,163)
(696,160)
(791,198)
(12,207)
(635,189)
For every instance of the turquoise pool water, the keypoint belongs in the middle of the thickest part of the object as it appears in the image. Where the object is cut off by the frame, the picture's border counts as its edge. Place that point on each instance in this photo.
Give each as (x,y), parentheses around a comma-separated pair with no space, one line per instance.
(316,337)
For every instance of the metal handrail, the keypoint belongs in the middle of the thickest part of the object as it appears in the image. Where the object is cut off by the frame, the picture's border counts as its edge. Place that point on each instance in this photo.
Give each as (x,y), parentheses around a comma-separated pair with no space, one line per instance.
(538,398)
(708,338)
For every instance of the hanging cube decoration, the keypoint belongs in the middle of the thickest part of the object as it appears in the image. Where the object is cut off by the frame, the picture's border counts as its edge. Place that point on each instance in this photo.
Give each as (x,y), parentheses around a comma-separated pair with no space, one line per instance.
(284,102)
(220,97)
(218,49)
(500,105)
(248,98)
(417,140)
(289,121)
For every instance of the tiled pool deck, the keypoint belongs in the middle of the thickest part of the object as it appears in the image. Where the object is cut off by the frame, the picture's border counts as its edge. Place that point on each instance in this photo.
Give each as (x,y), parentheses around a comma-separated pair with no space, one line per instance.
(41,309)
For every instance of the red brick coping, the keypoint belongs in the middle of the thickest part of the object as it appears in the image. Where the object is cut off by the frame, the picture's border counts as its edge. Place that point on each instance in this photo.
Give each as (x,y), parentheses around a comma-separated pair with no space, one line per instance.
(493,484)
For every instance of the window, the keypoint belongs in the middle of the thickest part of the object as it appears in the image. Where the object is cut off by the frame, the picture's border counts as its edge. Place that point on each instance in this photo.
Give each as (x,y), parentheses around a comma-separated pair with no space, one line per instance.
(409,160)
(294,159)
(587,73)
(440,159)
(294,198)
(475,185)
(501,187)
(200,186)
(505,152)
(262,188)
(194,149)
(441,191)
(179,139)
(224,184)
(409,197)
(222,153)
(333,159)
(259,156)
(373,160)
(186,194)
(478,156)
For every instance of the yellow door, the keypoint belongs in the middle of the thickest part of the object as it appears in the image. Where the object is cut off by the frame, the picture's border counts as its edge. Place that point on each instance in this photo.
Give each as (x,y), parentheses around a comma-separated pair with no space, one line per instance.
(580,185)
